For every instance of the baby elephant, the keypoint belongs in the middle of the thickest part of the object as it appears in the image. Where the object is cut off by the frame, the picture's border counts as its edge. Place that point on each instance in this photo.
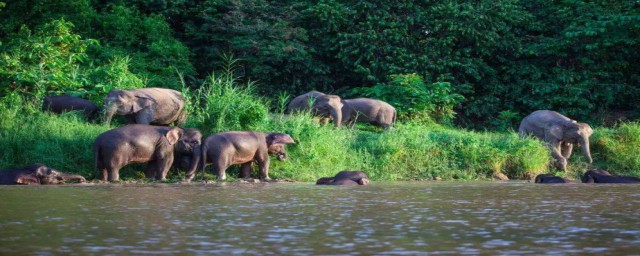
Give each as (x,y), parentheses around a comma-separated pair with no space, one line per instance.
(59,104)
(140,143)
(36,174)
(236,147)
(548,178)
(345,178)
(602,176)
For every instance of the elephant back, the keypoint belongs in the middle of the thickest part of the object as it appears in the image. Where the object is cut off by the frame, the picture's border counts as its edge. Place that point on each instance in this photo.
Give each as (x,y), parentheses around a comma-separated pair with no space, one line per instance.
(168,104)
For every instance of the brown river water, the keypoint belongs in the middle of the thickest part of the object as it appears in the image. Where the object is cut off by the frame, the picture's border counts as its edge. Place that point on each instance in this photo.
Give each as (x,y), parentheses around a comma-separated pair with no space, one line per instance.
(385,218)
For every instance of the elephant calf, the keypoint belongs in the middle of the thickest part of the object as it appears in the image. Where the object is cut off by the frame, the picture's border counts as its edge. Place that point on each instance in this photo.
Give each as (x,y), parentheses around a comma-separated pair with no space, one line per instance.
(548,178)
(36,174)
(345,178)
(376,112)
(602,176)
(559,134)
(239,147)
(62,103)
(139,143)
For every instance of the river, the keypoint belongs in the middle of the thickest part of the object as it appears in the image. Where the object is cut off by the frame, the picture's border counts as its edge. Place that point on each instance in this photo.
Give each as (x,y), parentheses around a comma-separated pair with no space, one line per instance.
(385,218)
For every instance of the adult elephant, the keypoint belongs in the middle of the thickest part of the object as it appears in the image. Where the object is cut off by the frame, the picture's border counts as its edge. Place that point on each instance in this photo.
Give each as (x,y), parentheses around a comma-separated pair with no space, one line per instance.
(140,143)
(323,105)
(63,103)
(559,133)
(146,106)
(602,176)
(376,112)
(241,147)
(36,174)
(345,178)
(549,178)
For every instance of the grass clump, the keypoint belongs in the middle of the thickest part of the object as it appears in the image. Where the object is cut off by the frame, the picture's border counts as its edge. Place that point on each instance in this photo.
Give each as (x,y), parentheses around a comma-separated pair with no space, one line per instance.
(618,149)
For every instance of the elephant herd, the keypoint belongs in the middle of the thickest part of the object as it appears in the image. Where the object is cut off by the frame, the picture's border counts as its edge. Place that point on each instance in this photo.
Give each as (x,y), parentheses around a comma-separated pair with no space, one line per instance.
(161,146)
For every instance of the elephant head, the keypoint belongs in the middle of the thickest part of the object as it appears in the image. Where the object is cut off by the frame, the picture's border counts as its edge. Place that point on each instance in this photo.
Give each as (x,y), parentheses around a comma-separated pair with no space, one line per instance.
(326,105)
(41,174)
(123,102)
(276,143)
(574,133)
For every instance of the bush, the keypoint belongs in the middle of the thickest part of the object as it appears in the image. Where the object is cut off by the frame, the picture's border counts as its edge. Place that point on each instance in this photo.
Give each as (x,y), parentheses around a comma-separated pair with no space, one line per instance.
(618,149)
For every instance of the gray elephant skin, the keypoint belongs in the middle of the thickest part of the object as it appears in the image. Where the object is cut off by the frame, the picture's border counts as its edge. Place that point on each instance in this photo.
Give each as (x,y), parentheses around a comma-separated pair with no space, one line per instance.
(559,133)
(376,112)
(345,178)
(146,106)
(140,143)
(549,178)
(187,153)
(324,106)
(222,150)
(602,176)
(36,174)
(63,103)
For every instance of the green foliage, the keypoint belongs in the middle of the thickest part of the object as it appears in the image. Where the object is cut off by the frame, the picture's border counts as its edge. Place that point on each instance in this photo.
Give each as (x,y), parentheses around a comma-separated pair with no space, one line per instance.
(414,99)
(618,148)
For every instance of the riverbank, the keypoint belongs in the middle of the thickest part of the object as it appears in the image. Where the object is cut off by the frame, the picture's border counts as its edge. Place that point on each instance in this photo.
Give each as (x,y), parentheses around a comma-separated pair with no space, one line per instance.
(407,152)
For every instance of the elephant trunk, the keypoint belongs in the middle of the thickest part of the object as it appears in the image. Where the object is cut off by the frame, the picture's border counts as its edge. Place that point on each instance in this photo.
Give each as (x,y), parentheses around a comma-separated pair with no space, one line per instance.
(195,163)
(282,157)
(337,117)
(584,143)
(71,177)
(109,111)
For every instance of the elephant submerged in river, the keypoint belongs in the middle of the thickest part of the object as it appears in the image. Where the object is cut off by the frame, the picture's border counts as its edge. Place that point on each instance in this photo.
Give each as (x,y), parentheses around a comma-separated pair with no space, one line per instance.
(602,176)
(36,174)
(549,178)
(559,133)
(146,106)
(63,103)
(345,178)
(324,106)
(140,143)
(242,147)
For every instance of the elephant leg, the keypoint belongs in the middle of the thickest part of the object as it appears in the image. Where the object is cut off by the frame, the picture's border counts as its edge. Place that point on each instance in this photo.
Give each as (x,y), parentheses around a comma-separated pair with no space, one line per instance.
(561,162)
(150,170)
(246,170)
(144,117)
(104,174)
(220,168)
(163,167)
(114,173)
(566,150)
(130,119)
(264,169)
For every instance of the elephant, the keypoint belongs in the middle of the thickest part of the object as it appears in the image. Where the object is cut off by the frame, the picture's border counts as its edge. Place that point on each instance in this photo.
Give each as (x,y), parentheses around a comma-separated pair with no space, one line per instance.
(62,103)
(146,106)
(559,134)
(549,178)
(36,174)
(373,111)
(141,143)
(602,176)
(187,153)
(324,106)
(243,147)
(345,178)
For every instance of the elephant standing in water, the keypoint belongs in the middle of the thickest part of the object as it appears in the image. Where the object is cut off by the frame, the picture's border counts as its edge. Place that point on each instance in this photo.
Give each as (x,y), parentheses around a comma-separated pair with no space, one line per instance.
(236,147)
(602,176)
(139,143)
(345,178)
(36,174)
(559,133)
(146,106)
(376,112)
(62,103)
(324,106)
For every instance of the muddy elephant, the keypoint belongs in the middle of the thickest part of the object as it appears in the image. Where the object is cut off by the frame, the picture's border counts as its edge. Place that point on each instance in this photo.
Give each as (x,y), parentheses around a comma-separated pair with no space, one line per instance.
(345,178)
(36,174)
(63,103)
(549,178)
(559,134)
(157,106)
(187,153)
(324,106)
(376,112)
(242,147)
(602,176)
(139,143)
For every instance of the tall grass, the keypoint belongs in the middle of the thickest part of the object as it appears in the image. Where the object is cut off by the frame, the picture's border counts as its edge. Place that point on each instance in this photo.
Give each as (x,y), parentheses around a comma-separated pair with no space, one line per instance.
(408,151)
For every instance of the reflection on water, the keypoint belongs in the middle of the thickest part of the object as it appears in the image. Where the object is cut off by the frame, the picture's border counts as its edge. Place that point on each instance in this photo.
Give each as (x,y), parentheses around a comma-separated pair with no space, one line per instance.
(384,218)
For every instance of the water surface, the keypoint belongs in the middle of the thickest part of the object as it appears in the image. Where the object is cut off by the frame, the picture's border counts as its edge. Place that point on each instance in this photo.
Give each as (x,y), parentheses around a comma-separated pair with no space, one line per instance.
(303,219)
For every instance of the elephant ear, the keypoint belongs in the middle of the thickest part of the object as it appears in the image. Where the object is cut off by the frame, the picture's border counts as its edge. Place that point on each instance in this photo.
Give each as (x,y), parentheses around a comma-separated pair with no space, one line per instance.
(173,135)
(140,103)
(279,138)
(555,131)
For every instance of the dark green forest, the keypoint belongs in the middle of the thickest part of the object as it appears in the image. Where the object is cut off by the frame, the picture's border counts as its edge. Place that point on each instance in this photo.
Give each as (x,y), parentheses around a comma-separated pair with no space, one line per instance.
(489,63)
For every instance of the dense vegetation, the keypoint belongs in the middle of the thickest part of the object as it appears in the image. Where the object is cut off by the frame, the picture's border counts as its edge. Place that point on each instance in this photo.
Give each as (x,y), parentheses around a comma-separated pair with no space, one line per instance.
(480,65)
